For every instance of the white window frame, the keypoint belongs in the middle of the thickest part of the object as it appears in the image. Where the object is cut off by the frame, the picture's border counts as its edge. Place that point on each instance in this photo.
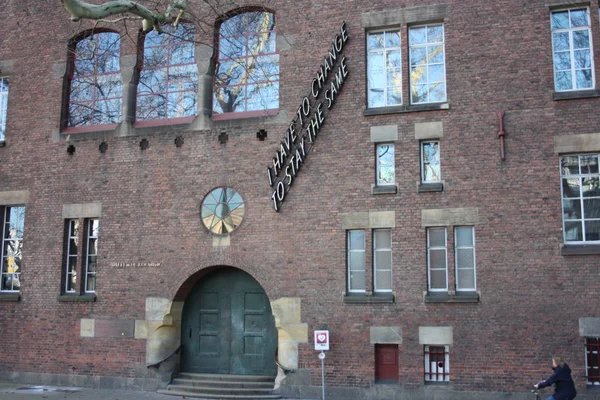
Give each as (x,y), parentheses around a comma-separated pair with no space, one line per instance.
(88,237)
(385,51)
(429,248)
(3,107)
(349,265)
(3,241)
(375,262)
(580,198)
(411,46)
(422,145)
(457,267)
(378,162)
(68,274)
(572,49)
(586,362)
(427,363)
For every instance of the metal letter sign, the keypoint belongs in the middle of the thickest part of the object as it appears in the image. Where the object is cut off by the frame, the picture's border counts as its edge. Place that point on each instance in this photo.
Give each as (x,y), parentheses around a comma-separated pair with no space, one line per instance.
(321,340)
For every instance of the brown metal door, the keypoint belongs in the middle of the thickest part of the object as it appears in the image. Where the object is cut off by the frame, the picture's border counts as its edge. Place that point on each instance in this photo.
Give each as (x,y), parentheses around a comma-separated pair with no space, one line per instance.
(386,363)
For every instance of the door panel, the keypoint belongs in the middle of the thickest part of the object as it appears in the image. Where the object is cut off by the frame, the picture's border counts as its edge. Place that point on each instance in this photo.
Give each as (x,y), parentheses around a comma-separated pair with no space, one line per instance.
(228,327)
(386,363)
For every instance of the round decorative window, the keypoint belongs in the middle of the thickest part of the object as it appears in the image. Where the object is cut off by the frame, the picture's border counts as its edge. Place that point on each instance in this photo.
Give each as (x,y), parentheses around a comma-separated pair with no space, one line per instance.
(222,210)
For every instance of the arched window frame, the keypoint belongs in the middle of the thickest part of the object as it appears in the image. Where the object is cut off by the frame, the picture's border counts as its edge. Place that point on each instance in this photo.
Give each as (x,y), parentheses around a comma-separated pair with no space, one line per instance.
(192,82)
(220,58)
(70,76)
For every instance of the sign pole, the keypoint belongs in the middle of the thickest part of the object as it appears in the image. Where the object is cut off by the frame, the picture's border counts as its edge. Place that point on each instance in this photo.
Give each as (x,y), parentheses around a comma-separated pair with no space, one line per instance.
(322,357)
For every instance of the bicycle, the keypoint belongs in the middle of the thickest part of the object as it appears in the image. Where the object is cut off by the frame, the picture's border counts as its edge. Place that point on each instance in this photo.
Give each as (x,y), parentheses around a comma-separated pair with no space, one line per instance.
(537,394)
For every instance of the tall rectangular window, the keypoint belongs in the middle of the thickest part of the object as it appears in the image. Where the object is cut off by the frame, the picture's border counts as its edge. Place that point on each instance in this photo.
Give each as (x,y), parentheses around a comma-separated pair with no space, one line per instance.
(580,183)
(91,256)
(464,253)
(437,364)
(12,248)
(3,106)
(427,64)
(356,261)
(384,69)
(430,162)
(592,361)
(72,255)
(382,260)
(385,164)
(437,260)
(572,50)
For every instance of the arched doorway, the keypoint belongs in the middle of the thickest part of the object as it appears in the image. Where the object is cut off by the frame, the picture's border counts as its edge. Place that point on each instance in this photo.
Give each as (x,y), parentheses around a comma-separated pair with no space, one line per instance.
(228,326)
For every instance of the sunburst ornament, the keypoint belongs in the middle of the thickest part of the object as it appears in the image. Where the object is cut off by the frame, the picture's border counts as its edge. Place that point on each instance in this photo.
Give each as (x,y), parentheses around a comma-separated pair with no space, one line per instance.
(222,210)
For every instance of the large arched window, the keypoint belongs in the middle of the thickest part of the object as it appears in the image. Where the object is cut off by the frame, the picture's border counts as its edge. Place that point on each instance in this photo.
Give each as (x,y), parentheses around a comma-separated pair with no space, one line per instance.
(247,72)
(94,81)
(168,83)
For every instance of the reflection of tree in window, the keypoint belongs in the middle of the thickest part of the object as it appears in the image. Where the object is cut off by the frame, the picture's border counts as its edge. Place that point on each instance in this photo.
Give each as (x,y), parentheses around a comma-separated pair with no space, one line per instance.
(431,162)
(12,249)
(427,69)
(95,81)
(384,69)
(247,73)
(385,164)
(168,81)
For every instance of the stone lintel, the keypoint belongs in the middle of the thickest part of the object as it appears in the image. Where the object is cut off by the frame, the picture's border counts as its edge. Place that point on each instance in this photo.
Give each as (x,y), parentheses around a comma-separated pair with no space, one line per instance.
(221,241)
(355,220)
(14,197)
(141,329)
(384,133)
(403,16)
(580,143)
(436,335)
(87,210)
(589,327)
(386,335)
(369,220)
(429,130)
(449,217)
(6,67)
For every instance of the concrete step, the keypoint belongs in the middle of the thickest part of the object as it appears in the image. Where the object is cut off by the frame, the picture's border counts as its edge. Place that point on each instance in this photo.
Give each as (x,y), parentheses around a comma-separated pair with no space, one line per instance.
(225,378)
(216,383)
(184,393)
(223,390)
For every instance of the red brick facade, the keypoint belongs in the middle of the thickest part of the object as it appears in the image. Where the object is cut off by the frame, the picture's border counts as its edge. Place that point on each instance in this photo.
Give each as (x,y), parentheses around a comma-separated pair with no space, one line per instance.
(498,58)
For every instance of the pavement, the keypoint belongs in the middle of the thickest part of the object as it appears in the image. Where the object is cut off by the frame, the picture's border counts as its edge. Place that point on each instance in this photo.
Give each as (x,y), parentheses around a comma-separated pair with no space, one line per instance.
(14,391)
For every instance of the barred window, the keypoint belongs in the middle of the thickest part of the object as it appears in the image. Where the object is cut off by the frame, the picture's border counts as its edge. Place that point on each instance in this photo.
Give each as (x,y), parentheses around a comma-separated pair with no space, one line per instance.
(437,364)
(592,361)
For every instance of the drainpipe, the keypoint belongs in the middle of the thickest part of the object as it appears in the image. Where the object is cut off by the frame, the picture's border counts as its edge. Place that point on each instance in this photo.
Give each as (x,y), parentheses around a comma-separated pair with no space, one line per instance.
(501,133)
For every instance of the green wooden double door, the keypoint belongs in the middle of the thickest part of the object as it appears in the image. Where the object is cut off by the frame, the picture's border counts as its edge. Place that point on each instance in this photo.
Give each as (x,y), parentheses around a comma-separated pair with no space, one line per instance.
(228,327)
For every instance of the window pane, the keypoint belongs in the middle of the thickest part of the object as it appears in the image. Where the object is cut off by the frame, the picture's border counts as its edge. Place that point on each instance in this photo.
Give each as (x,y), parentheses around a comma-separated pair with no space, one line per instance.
(394,95)
(384,260)
(560,41)
(583,78)
(357,260)
(464,236)
(438,279)
(583,59)
(572,209)
(431,162)
(592,230)
(392,39)
(573,231)
(589,164)
(571,187)
(569,165)
(418,56)
(591,208)
(357,280)
(383,280)
(437,258)
(437,237)
(357,240)
(91,283)
(418,35)
(383,239)
(591,187)
(562,60)
(564,80)
(16,222)
(466,279)
(560,20)
(375,41)
(579,18)
(464,259)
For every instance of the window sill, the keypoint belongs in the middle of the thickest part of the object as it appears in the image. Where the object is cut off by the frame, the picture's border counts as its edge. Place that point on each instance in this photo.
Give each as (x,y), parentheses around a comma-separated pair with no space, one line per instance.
(437,383)
(88,128)
(6,296)
(77,298)
(452,298)
(246,114)
(576,94)
(406,109)
(163,122)
(430,187)
(368,299)
(387,189)
(579,249)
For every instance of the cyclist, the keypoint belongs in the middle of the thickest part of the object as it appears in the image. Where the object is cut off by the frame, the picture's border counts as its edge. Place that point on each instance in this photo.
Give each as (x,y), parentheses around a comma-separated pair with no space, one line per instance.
(564,387)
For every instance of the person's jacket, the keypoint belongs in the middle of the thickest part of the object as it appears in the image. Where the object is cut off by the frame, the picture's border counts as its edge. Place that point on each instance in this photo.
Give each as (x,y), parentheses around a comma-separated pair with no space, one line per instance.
(564,387)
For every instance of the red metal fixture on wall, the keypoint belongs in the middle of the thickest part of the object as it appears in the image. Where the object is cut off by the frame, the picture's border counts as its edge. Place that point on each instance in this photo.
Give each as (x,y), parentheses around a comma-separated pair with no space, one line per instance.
(501,133)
